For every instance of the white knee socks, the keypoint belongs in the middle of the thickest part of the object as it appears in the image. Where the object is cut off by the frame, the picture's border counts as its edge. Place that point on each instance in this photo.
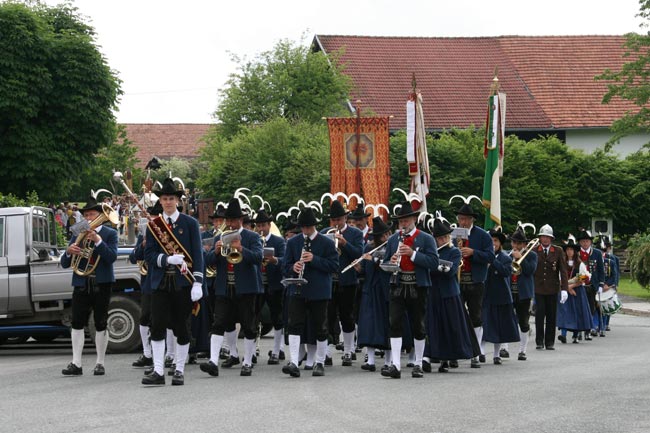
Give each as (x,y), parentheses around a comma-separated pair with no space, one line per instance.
(101,343)
(77,336)
(278,337)
(158,352)
(146,344)
(215,347)
(181,356)
(396,351)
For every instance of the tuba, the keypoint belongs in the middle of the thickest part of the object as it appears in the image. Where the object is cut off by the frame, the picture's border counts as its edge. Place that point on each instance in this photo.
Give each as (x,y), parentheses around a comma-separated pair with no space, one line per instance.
(81,263)
(231,254)
(516,264)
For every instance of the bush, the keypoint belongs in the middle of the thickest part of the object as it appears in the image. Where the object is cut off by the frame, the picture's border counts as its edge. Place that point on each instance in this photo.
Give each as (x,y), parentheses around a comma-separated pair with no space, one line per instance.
(639,259)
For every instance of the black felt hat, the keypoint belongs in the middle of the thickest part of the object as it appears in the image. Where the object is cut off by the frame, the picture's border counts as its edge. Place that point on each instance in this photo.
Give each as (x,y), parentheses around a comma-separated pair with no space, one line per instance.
(91,204)
(379,227)
(441,228)
(263,217)
(519,235)
(359,214)
(337,210)
(219,212)
(405,210)
(497,233)
(234,209)
(571,244)
(307,218)
(466,209)
(584,234)
(168,188)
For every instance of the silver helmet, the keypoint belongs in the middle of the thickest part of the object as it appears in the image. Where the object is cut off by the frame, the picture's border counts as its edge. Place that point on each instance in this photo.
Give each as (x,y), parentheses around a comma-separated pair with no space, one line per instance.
(546,230)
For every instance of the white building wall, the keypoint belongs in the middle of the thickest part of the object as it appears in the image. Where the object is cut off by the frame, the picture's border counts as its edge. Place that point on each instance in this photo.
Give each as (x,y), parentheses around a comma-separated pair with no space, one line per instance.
(591,139)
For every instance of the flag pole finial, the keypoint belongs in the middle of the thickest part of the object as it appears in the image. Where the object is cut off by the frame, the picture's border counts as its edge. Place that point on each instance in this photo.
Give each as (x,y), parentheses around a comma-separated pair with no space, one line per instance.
(495,81)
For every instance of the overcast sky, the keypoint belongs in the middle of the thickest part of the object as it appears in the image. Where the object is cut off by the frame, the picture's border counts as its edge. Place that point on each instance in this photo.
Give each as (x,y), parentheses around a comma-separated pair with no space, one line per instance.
(173,56)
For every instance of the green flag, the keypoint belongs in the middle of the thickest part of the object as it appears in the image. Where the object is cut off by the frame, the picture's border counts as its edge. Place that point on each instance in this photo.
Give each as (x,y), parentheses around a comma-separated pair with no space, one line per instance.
(493,153)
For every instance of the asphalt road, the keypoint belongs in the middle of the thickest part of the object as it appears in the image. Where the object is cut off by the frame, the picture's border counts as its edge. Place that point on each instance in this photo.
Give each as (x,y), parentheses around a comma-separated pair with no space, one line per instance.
(598,386)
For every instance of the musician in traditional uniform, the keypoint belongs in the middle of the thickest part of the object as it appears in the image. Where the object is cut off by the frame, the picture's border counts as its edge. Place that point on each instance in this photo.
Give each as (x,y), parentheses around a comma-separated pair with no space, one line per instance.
(499,319)
(359,219)
(174,256)
(137,257)
(217,220)
(574,314)
(550,279)
(522,286)
(477,253)
(449,331)
(91,293)
(373,332)
(237,287)
(611,266)
(344,285)
(593,258)
(415,252)
(271,270)
(313,257)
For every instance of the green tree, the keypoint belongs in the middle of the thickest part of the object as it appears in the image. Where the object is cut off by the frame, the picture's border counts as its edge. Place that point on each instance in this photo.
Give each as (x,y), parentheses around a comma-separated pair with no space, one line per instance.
(632,81)
(57,94)
(639,259)
(290,81)
(280,160)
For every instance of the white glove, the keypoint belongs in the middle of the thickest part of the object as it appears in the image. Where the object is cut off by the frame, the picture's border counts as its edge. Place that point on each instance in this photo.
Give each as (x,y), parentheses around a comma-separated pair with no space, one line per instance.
(197,292)
(176,259)
(563,296)
(600,290)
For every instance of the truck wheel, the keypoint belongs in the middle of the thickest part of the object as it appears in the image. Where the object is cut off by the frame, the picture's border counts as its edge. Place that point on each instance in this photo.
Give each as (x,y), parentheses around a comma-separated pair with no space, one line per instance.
(122,325)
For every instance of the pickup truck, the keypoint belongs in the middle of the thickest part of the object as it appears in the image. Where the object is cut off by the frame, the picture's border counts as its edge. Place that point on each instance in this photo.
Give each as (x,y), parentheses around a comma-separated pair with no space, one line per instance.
(36,292)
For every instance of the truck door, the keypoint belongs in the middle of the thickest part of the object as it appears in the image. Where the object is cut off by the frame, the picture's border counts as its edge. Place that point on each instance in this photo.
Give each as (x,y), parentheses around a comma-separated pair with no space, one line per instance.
(4,270)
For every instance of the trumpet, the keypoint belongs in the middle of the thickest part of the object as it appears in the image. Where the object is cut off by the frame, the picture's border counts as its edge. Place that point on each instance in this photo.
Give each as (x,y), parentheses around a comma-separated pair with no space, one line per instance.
(332,234)
(227,250)
(210,270)
(81,263)
(142,267)
(357,261)
(516,264)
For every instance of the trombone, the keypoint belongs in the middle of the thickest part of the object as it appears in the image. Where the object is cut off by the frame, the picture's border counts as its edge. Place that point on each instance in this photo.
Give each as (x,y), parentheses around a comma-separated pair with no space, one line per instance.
(516,264)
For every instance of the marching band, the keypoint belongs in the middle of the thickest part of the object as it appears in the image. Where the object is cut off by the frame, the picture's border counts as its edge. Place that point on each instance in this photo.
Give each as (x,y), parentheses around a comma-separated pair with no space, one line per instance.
(419,286)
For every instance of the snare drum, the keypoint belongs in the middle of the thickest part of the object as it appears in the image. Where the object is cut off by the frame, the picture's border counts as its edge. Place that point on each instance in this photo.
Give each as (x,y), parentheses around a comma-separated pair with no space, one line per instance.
(609,302)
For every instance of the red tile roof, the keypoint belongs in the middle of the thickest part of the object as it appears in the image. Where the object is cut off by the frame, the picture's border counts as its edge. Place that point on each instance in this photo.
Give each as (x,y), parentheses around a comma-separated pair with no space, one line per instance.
(166,140)
(549,80)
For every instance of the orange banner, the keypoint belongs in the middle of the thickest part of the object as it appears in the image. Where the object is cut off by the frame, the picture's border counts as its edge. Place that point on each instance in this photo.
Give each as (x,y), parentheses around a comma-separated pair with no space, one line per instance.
(359,157)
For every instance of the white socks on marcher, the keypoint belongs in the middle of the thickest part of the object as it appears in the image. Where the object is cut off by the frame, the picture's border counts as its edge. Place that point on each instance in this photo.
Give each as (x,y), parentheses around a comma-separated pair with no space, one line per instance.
(294,349)
(215,347)
(396,351)
(419,351)
(158,352)
(387,357)
(231,341)
(523,341)
(146,344)
(479,337)
(171,344)
(249,349)
(78,337)
(311,355)
(348,342)
(497,348)
(371,355)
(321,350)
(278,336)
(101,343)
(181,356)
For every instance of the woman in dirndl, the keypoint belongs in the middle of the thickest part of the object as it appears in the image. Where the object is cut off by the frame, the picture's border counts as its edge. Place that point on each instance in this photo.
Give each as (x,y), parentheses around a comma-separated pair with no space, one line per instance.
(373,324)
(575,314)
(449,334)
(498,314)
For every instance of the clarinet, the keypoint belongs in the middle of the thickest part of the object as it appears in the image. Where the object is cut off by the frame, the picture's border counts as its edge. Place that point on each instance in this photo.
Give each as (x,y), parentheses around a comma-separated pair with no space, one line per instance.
(306,248)
(394,278)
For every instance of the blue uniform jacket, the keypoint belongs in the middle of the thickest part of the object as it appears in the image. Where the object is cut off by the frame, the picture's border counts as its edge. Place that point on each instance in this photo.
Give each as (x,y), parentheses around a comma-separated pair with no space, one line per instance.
(426,257)
(481,242)
(447,282)
(318,272)
(274,272)
(497,285)
(610,270)
(107,253)
(137,254)
(186,230)
(248,277)
(349,252)
(526,280)
(373,277)
(596,267)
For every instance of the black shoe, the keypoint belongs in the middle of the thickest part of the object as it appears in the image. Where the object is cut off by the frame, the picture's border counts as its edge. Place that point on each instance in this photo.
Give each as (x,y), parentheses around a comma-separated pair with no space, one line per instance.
(521,356)
(353,356)
(281,355)
(444,367)
(503,353)
(339,346)
(169,361)
(453,363)
(539,347)
(99,370)
(497,361)
(385,369)
(426,366)
(562,338)
(481,359)
(594,333)
(148,371)
(347,360)
(369,367)
(474,363)
(392,372)
(72,370)
(273,360)
(291,369)
(153,379)
(550,348)
(171,371)
(575,340)
(254,359)
(607,328)
(580,336)
(192,358)
(210,367)
(417,372)
(319,370)
(224,353)
(588,336)
(308,367)
(602,334)
(379,353)
(228,363)
(328,360)
(178,378)
(143,361)
(246,370)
